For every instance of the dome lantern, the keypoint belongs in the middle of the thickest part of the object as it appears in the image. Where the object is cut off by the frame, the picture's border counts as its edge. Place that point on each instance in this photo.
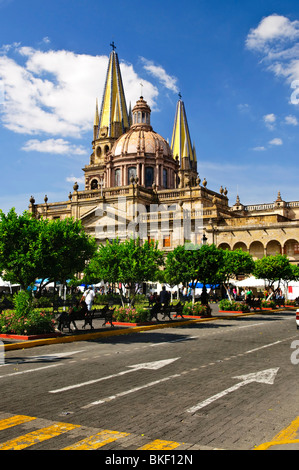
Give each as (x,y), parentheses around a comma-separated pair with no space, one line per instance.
(141,114)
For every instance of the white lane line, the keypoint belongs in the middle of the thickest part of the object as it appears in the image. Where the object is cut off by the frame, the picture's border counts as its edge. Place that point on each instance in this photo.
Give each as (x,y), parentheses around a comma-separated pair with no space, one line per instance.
(132,390)
(13,374)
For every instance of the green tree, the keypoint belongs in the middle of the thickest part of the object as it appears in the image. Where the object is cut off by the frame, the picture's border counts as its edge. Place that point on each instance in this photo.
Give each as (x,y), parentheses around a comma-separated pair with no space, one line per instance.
(63,249)
(276,268)
(19,236)
(234,263)
(130,262)
(33,248)
(196,264)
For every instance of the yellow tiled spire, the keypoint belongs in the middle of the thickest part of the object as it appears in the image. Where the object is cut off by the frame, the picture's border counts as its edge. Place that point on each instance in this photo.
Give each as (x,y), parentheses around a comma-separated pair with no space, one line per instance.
(114,108)
(181,145)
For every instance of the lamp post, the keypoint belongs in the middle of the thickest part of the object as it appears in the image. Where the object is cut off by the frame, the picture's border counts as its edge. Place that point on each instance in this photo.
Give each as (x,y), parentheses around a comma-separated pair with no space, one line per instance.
(204,239)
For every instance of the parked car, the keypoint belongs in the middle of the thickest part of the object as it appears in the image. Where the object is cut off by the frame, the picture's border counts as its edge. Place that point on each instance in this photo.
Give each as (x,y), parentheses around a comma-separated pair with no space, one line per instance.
(297,318)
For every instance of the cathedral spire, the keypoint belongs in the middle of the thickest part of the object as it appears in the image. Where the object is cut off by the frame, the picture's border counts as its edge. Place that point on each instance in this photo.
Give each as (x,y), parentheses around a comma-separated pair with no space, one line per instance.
(113,115)
(181,145)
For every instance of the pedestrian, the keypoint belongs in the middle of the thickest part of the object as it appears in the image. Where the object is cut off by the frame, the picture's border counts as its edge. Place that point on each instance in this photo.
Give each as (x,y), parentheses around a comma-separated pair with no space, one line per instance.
(89,296)
(164,297)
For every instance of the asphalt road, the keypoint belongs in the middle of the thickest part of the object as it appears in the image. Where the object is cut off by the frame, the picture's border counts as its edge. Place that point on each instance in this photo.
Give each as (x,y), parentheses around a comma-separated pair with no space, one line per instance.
(225,384)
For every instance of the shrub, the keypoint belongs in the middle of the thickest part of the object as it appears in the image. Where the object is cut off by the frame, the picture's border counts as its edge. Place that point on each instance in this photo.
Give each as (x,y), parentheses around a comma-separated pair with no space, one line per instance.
(232,306)
(290,303)
(268,304)
(24,319)
(131,315)
(196,309)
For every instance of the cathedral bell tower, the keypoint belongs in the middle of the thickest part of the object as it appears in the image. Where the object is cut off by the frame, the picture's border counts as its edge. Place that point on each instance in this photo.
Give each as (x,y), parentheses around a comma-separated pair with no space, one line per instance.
(182,148)
(109,124)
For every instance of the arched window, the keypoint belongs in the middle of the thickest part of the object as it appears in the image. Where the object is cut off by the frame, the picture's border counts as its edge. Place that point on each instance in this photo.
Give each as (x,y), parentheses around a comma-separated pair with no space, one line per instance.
(94,184)
(149,176)
(165,178)
(117,181)
(131,172)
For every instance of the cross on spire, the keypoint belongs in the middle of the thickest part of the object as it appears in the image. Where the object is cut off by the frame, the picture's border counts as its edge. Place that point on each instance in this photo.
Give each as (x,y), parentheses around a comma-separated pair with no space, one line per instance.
(180,95)
(113,45)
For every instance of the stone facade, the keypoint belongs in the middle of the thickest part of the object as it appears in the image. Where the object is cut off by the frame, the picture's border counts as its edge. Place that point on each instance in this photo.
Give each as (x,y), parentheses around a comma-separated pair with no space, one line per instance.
(136,184)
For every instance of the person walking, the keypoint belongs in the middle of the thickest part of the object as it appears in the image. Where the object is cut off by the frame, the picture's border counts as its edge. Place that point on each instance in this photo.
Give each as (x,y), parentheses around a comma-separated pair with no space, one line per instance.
(89,296)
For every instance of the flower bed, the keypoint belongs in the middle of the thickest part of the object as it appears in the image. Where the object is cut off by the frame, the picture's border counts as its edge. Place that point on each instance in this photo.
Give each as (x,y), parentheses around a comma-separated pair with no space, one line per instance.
(268,304)
(232,306)
(131,315)
(195,310)
(24,319)
(34,323)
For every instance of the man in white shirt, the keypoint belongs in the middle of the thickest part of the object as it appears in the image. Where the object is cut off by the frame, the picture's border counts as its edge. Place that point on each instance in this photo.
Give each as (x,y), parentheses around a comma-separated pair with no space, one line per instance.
(89,296)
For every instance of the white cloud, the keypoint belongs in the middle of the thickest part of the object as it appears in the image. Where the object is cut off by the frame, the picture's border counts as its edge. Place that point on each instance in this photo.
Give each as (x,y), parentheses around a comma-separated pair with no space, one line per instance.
(291,120)
(73,179)
(269,120)
(276,141)
(276,38)
(54,92)
(159,72)
(259,149)
(55,146)
(272,29)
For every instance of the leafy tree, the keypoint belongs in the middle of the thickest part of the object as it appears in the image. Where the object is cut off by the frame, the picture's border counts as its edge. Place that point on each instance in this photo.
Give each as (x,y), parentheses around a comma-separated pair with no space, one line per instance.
(63,248)
(33,248)
(276,268)
(234,263)
(197,264)
(130,263)
(19,236)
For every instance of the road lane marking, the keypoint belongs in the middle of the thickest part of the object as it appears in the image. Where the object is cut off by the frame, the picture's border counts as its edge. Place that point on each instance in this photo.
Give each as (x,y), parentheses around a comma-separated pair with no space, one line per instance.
(13,374)
(132,390)
(160,445)
(113,397)
(264,376)
(147,365)
(286,436)
(98,440)
(35,437)
(14,421)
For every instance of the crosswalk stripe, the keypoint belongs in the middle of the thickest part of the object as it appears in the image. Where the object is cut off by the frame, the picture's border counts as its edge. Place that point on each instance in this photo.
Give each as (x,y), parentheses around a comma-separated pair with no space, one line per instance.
(92,442)
(40,435)
(98,440)
(14,421)
(160,445)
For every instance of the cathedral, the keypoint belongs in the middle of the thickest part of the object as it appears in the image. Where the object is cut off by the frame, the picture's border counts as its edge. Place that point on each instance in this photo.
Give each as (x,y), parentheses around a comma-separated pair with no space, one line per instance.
(138,184)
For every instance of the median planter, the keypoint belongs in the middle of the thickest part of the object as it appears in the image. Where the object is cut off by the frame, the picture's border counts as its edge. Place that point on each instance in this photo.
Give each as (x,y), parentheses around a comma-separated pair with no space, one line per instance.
(230,306)
(24,320)
(131,316)
(196,310)
(30,337)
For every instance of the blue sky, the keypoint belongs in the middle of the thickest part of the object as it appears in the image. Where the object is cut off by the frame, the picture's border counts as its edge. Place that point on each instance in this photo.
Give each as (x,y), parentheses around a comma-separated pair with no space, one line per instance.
(236,64)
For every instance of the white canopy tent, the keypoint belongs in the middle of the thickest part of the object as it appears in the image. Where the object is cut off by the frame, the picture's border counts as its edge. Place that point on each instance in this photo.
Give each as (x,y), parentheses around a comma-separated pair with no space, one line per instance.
(251,282)
(4,283)
(290,288)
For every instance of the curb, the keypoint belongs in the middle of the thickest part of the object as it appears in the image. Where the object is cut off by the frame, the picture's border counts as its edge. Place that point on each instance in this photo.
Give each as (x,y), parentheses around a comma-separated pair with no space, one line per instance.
(105,334)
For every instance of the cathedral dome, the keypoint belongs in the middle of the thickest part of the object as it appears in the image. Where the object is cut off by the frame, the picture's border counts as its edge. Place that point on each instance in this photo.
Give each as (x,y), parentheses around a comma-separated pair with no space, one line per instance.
(141,139)
(142,153)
